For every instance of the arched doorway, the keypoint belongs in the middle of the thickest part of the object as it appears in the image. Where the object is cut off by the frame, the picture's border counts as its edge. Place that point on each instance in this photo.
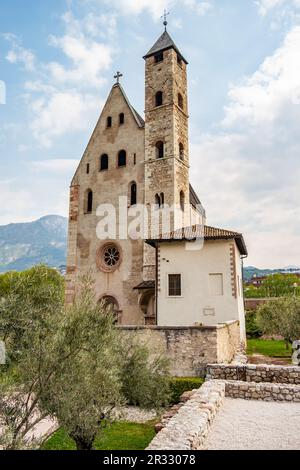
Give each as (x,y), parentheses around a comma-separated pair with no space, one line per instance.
(148,307)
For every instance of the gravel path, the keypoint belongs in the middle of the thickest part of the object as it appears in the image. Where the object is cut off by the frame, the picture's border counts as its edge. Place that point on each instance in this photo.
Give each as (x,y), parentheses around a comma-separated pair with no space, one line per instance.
(255,425)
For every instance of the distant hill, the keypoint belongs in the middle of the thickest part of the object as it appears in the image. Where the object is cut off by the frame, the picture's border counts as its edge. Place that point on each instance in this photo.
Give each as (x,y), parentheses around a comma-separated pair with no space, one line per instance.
(27,244)
(251,271)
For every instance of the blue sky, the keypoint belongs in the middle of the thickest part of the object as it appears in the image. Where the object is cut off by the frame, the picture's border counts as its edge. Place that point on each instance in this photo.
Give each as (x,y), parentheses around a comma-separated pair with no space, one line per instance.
(58,59)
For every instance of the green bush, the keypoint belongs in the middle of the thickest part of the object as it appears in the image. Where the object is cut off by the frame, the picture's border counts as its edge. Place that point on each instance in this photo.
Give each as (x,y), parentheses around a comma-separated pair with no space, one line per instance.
(179,385)
(252,328)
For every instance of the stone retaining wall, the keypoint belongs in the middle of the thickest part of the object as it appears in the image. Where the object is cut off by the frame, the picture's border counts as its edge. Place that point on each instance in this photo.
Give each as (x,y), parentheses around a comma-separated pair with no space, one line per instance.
(190,349)
(188,429)
(262,391)
(254,373)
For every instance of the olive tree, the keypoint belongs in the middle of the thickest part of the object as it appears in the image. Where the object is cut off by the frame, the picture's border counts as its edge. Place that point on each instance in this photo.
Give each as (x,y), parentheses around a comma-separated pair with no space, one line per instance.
(281,317)
(72,365)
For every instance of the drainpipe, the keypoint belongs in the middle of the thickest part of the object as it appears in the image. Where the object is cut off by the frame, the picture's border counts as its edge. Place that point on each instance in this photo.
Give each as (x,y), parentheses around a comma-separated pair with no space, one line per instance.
(156,283)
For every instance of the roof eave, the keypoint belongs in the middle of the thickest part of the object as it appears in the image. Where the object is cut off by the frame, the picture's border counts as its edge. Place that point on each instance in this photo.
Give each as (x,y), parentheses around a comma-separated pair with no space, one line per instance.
(150,54)
(239,241)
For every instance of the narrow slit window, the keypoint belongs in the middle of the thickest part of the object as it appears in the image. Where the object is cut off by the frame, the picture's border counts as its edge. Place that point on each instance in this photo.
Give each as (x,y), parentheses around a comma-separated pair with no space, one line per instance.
(180,101)
(89,202)
(160,149)
(121,119)
(159,99)
(133,194)
(109,122)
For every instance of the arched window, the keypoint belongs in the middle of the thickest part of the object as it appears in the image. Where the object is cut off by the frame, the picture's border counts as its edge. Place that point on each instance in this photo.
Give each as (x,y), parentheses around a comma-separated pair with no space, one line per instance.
(157,200)
(160,149)
(159,57)
(162,199)
(159,98)
(121,119)
(104,162)
(109,121)
(122,158)
(111,306)
(181,151)
(182,200)
(133,194)
(180,101)
(88,203)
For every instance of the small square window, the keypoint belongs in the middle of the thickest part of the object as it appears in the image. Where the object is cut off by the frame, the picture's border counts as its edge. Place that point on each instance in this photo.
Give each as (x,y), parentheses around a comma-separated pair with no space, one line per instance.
(175,285)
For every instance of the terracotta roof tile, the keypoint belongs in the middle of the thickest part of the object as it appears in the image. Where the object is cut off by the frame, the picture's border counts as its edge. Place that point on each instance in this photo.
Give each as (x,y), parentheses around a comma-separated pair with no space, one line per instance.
(202,231)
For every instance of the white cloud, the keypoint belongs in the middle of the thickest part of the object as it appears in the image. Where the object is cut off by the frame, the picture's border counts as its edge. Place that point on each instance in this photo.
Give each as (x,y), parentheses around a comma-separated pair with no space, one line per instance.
(283,11)
(252,164)
(263,97)
(156,7)
(18,54)
(20,202)
(60,166)
(63,97)
(62,113)
(85,69)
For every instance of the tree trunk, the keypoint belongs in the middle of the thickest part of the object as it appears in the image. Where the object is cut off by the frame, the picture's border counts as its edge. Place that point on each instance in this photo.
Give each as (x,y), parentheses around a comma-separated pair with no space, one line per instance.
(83,444)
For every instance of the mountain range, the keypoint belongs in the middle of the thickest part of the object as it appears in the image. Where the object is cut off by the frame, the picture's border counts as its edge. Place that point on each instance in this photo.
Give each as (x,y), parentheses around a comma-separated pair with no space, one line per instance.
(27,244)
(44,241)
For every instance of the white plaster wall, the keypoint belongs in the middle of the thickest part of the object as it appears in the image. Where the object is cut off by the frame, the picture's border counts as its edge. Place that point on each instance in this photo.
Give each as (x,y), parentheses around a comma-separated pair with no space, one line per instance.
(195,267)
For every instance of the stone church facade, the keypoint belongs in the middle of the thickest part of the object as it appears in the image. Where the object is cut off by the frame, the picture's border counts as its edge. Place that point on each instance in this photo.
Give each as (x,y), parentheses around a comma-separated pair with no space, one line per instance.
(146,162)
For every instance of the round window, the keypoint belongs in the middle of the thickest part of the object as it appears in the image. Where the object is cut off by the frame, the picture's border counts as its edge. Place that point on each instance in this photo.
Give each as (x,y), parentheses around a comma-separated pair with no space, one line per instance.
(109,257)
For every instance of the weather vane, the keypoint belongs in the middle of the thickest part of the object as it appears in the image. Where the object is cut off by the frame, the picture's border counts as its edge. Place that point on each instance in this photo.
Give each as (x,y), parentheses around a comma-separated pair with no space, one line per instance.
(118,76)
(164,17)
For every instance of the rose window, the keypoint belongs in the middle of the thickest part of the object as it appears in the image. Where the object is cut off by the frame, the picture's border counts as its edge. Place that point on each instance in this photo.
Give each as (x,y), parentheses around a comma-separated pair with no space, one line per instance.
(108,257)
(111,256)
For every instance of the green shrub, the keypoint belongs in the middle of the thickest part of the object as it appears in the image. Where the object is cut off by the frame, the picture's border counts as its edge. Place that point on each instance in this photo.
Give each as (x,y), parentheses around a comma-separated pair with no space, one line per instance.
(179,385)
(252,328)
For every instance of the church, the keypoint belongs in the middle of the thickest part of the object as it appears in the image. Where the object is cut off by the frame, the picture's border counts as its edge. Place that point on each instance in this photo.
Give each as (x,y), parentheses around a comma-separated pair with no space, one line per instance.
(180,272)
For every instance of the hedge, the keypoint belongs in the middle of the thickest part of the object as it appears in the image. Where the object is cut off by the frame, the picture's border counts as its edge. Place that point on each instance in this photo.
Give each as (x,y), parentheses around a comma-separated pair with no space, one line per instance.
(179,385)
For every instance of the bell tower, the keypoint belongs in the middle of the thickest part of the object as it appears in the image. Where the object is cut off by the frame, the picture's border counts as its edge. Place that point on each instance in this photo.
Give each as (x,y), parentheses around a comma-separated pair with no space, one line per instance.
(166,127)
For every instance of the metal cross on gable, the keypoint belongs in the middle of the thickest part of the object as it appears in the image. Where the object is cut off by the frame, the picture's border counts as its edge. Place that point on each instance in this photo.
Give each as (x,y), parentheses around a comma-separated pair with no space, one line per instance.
(118,76)
(164,17)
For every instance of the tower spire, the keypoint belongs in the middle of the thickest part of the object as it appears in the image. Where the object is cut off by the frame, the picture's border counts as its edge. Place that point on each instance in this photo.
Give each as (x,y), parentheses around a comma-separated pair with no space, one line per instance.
(164,17)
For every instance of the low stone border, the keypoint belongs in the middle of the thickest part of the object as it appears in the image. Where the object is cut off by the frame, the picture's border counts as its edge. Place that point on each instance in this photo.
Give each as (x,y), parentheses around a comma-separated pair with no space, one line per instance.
(254,373)
(188,429)
(262,391)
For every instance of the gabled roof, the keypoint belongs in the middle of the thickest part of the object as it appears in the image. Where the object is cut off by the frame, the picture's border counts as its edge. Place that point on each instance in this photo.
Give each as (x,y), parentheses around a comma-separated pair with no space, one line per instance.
(201,232)
(139,120)
(164,43)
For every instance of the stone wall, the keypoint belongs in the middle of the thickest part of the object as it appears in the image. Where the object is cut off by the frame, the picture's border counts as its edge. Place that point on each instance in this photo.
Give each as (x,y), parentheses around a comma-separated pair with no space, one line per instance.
(262,391)
(255,373)
(188,429)
(190,349)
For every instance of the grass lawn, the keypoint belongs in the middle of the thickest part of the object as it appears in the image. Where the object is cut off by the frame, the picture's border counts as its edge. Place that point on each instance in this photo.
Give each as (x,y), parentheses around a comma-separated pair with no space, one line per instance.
(118,436)
(271,348)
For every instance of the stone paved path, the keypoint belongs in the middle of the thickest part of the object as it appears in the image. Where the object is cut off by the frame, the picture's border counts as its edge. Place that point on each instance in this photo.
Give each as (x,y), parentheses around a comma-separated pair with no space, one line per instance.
(255,425)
